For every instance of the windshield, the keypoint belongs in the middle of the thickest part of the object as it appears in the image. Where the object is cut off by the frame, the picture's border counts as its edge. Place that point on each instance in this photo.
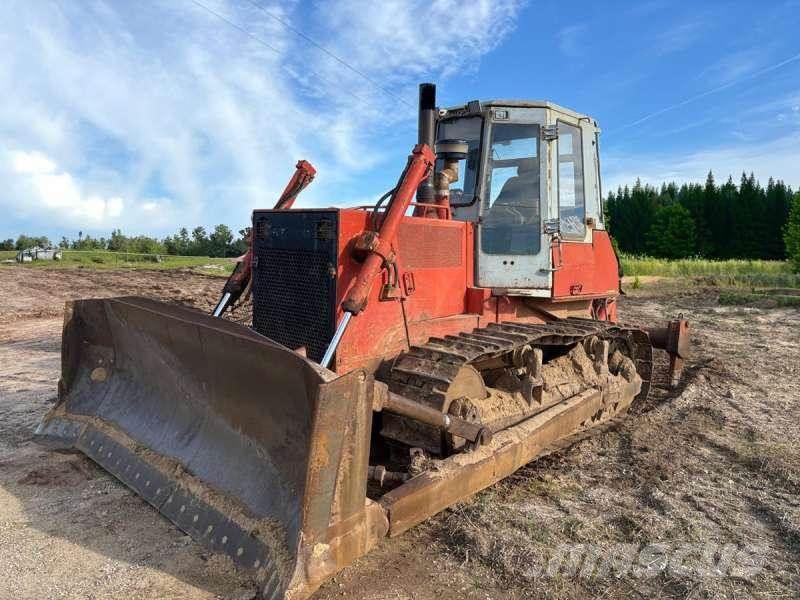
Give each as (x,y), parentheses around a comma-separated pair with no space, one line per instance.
(462,192)
(511,216)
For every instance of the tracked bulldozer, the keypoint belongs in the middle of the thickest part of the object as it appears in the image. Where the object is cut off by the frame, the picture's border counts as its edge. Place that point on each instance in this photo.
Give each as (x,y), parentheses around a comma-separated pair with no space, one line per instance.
(400,358)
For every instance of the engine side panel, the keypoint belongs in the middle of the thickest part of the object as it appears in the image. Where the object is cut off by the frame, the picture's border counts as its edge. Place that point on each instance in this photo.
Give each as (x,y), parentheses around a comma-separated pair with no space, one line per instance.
(585,270)
(434,260)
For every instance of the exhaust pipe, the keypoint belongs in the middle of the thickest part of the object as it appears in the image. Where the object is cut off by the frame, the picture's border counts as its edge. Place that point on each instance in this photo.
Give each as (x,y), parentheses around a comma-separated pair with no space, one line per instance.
(426,134)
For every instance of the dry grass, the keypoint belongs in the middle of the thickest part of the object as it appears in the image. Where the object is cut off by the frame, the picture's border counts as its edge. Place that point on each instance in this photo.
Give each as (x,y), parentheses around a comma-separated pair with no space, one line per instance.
(711,463)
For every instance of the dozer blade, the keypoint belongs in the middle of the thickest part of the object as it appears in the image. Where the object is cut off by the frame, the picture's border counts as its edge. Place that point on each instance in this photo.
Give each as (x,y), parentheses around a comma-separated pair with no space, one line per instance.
(248,447)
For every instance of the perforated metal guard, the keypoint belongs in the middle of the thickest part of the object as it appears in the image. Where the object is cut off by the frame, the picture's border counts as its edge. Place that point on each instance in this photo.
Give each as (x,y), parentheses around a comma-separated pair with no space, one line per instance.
(294,284)
(421,250)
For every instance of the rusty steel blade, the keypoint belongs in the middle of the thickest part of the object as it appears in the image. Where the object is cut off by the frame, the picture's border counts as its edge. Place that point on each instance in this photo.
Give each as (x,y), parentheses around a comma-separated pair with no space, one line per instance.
(208,421)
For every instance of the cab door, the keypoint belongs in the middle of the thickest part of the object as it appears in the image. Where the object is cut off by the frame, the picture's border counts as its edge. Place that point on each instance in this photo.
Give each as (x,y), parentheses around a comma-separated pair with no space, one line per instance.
(513,252)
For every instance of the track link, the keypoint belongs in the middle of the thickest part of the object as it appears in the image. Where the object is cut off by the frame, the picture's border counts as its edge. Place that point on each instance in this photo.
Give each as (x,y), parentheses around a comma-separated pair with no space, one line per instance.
(425,372)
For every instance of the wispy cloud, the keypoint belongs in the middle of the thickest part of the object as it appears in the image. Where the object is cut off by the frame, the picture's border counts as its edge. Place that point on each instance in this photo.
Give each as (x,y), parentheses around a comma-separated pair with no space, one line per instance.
(788,104)
(681,36)
(401,41)
(571,39)
(683,128)
(734,67)
(715,90)
(161,114)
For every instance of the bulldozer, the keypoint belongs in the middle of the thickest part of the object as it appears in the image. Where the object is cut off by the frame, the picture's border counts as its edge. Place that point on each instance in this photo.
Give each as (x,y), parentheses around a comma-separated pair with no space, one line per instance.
(401,356)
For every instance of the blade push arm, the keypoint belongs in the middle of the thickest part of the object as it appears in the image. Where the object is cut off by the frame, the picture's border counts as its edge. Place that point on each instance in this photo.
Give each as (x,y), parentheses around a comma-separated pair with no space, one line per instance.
(239,281)
(379,245)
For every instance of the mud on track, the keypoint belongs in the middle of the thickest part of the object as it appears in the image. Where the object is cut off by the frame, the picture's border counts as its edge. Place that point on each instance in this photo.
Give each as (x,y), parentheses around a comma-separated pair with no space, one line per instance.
(717,461)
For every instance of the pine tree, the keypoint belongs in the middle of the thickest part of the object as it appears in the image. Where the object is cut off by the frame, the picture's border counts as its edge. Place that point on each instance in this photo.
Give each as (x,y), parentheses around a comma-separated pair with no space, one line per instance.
(730,221)
(713,218)
(693,198)
(672,233)
(726,200)
(791,234)
(778,202)
(639,212)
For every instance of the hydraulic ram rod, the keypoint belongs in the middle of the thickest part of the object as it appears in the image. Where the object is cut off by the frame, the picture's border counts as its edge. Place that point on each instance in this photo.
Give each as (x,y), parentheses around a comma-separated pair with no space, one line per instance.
(222,304)
(379,245)
(337,337)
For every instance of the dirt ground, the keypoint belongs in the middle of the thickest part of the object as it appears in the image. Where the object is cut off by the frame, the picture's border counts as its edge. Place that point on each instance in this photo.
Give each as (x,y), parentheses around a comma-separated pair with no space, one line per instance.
(715,462)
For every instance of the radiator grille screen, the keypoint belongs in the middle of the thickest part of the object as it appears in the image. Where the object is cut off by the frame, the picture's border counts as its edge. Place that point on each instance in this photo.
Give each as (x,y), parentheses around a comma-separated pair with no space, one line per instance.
(294,282)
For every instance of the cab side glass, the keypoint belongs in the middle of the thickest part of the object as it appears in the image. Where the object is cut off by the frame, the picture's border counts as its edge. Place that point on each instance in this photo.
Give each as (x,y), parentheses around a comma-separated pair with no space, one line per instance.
(571,196)
(462,192)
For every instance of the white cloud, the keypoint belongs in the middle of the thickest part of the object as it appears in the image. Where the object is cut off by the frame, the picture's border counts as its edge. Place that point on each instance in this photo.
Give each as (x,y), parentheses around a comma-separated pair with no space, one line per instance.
(713,91)
(402,41)
(55,194)
(778,158)
(32,163)
(165,99)
(786,106)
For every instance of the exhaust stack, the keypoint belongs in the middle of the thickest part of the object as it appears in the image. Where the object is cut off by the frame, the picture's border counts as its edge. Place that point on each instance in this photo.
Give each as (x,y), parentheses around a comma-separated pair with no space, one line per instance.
(426,134)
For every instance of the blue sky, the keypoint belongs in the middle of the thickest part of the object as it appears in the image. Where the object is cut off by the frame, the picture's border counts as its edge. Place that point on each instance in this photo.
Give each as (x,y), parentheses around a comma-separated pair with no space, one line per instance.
(157,114)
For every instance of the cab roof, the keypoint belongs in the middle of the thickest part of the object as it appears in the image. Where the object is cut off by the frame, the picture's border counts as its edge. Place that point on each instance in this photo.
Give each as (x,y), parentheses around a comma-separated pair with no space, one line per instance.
(511,103)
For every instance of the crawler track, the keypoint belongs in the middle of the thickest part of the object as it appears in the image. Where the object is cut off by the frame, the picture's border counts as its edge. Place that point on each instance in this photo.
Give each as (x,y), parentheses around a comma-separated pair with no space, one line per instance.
(425,372)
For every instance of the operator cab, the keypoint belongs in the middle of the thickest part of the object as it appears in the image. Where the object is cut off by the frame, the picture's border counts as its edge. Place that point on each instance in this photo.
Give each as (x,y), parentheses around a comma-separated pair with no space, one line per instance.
(530,179)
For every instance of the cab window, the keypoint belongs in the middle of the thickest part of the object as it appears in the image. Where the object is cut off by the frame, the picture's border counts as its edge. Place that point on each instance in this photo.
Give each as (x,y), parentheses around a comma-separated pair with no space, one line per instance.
(511,215)
(571,196)
(462,192)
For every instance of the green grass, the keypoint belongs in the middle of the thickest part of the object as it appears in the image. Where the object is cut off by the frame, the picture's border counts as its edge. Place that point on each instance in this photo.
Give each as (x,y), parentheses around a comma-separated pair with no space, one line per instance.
(688,267)
(6,254)
(765,298)
(747,273)
(101,259)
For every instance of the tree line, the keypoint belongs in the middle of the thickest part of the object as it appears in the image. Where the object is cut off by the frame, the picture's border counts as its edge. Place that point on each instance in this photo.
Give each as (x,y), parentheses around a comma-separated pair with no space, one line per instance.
(725,221)
(747,220)
(220,242)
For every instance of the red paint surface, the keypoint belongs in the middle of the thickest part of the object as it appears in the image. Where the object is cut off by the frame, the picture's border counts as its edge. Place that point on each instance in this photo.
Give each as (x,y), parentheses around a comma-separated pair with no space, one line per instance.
(382,242)
(435,252)
(585,270)
(439,255)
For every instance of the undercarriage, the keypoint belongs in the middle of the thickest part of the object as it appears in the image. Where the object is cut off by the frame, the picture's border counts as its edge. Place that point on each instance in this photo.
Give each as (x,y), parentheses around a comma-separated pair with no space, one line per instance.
(502,374)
